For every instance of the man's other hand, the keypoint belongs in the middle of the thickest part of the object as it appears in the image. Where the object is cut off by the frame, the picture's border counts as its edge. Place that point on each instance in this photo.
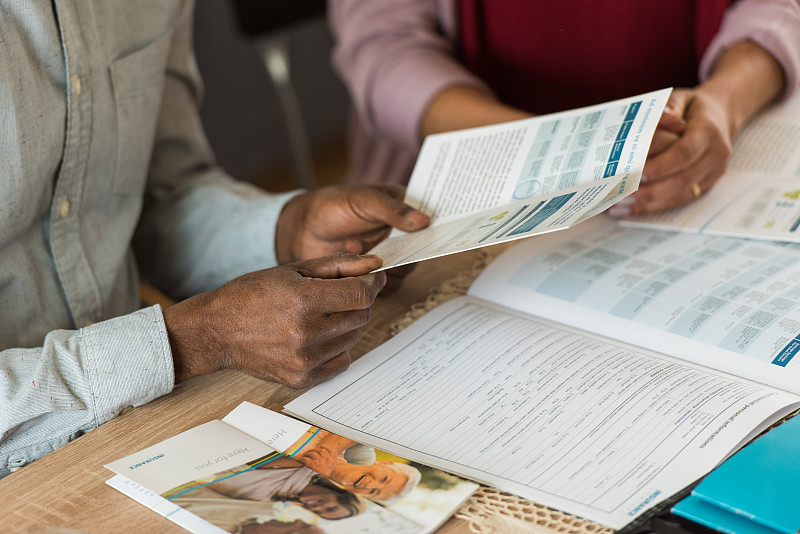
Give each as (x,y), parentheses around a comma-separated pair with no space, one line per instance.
(342,218)
(292,324)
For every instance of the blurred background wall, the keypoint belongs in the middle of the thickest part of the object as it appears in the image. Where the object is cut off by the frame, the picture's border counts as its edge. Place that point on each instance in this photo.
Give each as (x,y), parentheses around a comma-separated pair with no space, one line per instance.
(241,110)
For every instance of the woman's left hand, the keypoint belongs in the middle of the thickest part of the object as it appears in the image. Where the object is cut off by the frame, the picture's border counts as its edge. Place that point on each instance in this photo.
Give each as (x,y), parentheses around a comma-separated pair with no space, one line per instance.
(689,153)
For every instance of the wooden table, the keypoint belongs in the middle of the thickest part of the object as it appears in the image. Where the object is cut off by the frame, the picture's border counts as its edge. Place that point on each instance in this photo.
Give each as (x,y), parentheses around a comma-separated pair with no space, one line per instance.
(66,488)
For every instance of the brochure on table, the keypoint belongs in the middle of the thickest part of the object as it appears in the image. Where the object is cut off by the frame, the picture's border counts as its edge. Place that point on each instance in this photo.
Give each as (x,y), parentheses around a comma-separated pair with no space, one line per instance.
(228,476)
(498,183)
(599,370)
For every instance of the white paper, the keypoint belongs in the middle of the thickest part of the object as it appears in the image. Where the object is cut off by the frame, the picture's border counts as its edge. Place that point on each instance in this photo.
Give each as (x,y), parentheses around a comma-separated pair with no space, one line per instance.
(758,195)
(726,303)
(496,225)
(179,459)
(594,427)
(167,477)
(563,168)
(274,429)
(162,506)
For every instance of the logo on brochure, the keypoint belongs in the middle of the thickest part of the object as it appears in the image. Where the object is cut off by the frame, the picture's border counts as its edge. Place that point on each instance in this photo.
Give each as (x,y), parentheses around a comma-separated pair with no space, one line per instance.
(639,507)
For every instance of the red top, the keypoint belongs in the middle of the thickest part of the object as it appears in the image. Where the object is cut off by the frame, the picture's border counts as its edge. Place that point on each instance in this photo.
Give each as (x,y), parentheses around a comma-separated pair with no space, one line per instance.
(551,55)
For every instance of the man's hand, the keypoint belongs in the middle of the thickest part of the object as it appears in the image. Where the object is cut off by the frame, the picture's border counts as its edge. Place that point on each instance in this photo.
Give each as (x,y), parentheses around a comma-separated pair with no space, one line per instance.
(342,218)
(292,324)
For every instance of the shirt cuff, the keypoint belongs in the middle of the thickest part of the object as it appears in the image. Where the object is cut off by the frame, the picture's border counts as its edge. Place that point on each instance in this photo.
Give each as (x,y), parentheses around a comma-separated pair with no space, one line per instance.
(235,234)
(79,380)
(206,235)
(128,362)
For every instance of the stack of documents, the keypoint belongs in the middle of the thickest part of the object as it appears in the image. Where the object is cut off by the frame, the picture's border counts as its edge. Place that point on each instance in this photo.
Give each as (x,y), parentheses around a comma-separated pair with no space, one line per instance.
(756,491)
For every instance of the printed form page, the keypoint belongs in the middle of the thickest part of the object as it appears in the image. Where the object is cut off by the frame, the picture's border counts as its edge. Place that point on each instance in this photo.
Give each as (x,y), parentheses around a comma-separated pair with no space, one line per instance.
(578,422)
(498,183)
(759,195)
(726,303)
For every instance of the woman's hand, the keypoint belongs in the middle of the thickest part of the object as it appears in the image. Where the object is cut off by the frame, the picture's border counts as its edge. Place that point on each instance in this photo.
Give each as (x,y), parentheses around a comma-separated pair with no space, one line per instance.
(688,155)
(692,144)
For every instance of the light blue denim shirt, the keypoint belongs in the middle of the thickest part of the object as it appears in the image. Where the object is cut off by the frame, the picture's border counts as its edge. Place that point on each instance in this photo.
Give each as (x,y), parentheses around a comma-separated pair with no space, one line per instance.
(100,139)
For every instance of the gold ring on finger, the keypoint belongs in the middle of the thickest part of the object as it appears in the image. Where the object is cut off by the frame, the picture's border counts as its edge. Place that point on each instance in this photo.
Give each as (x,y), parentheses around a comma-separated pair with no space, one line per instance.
(696,191)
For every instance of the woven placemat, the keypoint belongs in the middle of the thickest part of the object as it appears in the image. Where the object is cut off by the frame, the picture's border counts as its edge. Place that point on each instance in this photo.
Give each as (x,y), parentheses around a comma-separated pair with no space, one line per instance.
(489,510)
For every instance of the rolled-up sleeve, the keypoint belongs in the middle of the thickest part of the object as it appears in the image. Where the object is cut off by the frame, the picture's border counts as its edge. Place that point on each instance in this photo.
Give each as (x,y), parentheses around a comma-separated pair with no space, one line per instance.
(394,60)
(78,380)
(772,24)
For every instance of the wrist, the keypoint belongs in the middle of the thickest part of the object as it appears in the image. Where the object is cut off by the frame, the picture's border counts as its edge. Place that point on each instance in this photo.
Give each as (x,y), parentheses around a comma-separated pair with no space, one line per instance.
(462,107)
(288,230)
(189,339)
(719,97)
(746,78)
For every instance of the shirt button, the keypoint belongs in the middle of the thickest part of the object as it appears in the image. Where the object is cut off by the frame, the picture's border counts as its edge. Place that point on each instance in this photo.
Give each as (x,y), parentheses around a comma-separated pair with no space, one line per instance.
(63,210)
(77,85)
(16,463)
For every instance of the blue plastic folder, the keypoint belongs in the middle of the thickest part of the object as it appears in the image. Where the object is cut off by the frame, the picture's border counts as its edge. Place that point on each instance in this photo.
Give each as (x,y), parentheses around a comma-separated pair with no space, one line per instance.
(755,491)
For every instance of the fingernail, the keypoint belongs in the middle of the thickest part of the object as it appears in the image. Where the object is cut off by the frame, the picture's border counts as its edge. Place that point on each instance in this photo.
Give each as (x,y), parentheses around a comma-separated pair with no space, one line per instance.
(669,109)
(623,207)
(415,218)
(619,211)
(643,179)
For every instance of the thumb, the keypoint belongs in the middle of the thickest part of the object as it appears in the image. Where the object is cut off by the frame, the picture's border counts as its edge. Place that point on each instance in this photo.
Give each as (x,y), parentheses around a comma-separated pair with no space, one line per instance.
(381,204)
(339,265)
(672,118)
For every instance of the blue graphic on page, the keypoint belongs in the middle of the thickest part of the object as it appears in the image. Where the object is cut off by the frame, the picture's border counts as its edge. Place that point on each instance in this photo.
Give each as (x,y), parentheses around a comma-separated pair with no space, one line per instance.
(507,222)
(549,209)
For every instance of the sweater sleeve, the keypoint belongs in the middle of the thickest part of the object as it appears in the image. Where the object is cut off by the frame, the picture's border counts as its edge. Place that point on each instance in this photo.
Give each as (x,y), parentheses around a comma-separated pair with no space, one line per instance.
(772,24)
(394,58)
